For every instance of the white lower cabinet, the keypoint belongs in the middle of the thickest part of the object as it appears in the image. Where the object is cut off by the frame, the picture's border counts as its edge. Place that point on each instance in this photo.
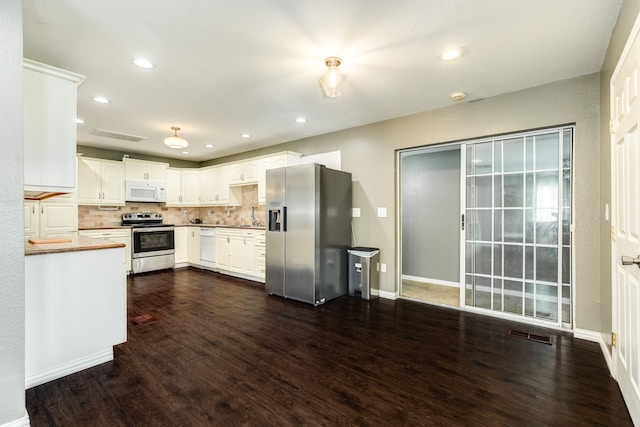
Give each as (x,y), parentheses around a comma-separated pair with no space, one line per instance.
(121,235)
(193,245)
(57,216)
(237,252)
(180,240)
(187,245)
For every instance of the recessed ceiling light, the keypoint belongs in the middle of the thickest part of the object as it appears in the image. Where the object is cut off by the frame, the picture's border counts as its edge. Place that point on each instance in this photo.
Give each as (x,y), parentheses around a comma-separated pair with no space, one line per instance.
(209,145)
(301,120)
(245,135)
(143,63)
(79,121)
(185,152)
(101,99)
(450,54)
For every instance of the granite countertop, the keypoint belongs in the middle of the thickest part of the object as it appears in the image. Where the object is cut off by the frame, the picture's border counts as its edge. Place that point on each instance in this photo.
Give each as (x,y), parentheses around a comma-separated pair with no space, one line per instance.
(77,243)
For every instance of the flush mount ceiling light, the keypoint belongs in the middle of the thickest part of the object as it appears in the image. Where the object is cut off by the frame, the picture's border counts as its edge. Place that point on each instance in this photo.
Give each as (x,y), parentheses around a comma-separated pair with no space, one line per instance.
(451,54)
(143,63)
(175,141)
(101,99)
(301,120)
(332,80)
(458,96)
(245,135)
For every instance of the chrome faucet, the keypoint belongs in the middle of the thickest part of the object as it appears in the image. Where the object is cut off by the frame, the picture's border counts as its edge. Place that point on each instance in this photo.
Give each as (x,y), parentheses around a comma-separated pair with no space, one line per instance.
(253,216)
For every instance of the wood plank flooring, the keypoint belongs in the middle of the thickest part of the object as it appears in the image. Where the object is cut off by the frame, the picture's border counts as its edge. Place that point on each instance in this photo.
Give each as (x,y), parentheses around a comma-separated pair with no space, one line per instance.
(226,354)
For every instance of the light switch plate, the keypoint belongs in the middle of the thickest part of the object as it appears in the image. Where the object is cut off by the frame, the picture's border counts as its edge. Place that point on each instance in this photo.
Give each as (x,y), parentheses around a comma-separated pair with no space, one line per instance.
(383,268)
(356,212)
(382,212)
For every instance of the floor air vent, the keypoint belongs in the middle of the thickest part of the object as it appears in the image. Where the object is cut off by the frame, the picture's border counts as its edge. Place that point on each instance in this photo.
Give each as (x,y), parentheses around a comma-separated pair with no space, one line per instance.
(544,339)
(145,319)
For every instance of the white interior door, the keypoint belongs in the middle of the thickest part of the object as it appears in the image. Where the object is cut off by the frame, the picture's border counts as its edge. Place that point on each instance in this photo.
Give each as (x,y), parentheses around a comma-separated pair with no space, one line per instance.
(625,222)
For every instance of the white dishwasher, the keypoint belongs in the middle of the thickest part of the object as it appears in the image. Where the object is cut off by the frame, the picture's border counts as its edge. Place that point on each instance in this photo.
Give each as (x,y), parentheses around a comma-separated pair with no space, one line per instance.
(208,247)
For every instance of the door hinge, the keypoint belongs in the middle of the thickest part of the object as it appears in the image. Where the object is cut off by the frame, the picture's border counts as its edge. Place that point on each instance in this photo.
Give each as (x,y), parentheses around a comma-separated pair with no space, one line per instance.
(614,339)
(613,234)
(610,125)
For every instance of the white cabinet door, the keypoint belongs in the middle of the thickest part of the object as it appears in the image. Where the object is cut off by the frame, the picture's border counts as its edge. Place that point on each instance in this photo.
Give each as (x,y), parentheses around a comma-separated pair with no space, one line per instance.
(222,250)
(57,216)
(31,218)
(50,104)
(263,165)
(89,181)
(100,182)
(173,187)
(193,245)
(58,219)
(243,173)
(143,170)
(121,235)
(190,187)
(237,253)
(112,183)
(180,236)
(250,255)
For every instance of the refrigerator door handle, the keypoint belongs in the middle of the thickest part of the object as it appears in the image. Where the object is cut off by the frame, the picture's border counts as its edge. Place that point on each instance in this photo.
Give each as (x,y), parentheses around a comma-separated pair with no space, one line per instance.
(284,218)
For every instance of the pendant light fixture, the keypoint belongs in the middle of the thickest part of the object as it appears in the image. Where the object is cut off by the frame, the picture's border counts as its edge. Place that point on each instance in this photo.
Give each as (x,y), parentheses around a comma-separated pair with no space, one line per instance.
(332,80)
(175,141)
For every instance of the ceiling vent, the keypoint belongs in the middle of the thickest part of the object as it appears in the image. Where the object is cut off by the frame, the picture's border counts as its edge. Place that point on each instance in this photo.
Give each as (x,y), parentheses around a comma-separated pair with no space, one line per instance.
(117,135)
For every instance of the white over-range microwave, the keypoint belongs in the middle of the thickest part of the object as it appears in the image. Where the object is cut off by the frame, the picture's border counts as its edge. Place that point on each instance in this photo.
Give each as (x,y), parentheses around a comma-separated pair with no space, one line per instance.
(140,191)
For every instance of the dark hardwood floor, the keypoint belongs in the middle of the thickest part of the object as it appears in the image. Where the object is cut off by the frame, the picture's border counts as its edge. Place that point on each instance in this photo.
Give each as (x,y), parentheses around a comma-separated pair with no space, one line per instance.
(226,354)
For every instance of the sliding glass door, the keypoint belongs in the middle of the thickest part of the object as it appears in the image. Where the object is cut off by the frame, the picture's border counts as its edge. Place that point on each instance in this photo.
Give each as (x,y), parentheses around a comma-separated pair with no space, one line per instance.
(517,219)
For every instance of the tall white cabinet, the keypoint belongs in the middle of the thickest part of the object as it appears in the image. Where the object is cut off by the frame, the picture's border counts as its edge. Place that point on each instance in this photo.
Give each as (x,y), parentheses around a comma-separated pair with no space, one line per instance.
(50,106)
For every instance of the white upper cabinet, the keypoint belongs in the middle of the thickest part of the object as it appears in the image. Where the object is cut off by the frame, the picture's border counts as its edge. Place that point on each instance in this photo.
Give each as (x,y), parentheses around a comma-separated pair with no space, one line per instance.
(50,106)
(243,173)
(143,170)
(183,187)
(100,182)
(214,187)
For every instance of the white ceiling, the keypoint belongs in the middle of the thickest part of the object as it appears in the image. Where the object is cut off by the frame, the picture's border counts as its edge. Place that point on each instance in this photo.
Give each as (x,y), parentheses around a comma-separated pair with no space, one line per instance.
(226,67)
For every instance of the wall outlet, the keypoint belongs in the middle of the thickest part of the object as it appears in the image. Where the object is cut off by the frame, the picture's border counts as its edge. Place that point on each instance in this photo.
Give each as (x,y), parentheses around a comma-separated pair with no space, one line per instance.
(382,212)
(383,268)
(186,212)
(356,212)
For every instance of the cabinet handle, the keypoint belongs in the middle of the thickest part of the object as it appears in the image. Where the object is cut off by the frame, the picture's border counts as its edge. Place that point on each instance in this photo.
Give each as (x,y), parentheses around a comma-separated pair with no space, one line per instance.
(33,209)
(42,210)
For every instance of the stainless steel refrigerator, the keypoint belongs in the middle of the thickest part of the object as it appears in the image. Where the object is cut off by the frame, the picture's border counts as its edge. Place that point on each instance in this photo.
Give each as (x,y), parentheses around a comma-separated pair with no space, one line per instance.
(308,232)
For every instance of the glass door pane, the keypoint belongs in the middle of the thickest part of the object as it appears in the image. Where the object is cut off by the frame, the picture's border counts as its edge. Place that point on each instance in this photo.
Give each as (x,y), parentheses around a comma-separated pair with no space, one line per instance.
(518,214)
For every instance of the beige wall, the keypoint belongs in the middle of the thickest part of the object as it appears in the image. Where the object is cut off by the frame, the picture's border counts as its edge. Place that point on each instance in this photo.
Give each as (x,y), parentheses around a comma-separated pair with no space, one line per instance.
(626,19)
(368,152)
(12,397)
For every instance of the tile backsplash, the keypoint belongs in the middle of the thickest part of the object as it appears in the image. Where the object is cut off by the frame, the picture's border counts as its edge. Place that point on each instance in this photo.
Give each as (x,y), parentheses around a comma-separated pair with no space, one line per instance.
(95,216)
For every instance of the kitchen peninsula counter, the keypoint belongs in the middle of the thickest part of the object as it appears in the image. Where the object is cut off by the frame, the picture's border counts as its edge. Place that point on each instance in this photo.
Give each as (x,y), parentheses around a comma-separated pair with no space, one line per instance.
(77,243)
(75,306)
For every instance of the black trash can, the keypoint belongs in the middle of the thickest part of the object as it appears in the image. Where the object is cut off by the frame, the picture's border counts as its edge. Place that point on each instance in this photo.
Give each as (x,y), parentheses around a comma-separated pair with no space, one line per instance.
(363,271)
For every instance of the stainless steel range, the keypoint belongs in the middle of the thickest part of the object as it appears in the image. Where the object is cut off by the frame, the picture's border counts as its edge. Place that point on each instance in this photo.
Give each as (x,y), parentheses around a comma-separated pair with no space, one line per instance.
(153,241)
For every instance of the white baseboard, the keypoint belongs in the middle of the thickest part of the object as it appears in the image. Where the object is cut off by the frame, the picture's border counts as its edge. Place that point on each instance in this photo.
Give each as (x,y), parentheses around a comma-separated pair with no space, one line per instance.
(385,294)
(69,368)
(20,422)
(433,281)
(594,336)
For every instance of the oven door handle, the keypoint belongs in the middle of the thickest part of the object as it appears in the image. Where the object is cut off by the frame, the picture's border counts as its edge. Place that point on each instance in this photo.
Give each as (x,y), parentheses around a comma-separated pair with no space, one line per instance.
(148,229)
